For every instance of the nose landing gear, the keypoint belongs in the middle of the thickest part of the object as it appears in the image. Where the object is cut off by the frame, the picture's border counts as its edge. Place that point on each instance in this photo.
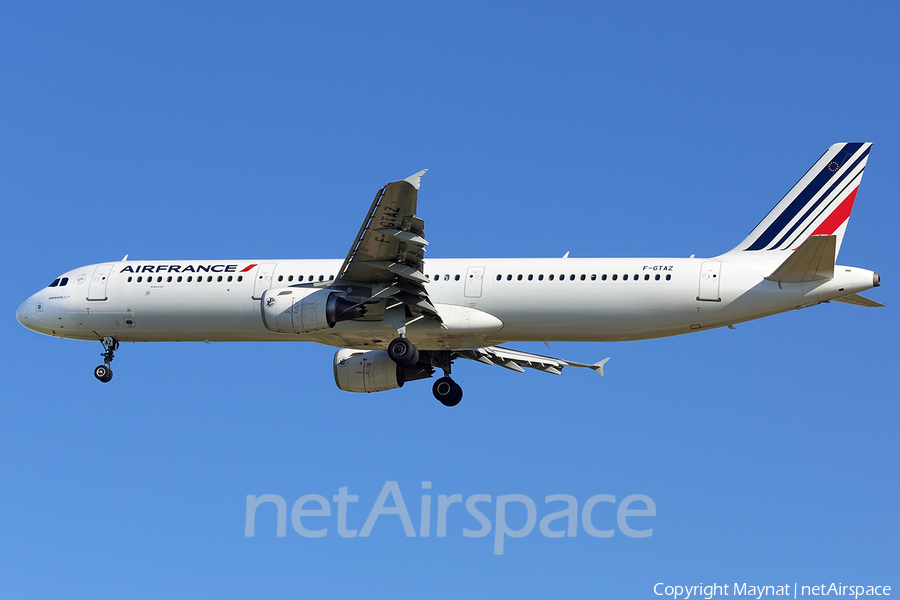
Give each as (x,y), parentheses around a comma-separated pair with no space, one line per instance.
(103,372)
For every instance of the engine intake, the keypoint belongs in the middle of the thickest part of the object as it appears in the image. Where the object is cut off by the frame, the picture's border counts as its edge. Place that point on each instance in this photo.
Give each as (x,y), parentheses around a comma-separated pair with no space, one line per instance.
(373,371)
(304,310)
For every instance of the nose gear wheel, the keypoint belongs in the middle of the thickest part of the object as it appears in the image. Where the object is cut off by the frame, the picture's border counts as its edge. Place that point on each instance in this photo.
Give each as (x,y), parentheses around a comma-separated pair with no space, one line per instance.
(103,372)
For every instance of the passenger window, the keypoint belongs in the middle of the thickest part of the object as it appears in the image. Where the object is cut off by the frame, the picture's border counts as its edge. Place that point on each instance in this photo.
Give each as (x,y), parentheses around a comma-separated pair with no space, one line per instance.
(140,279)
(583,277)
(281,278)
(668,278)
(229,278)
(572,277)
(219,278)
(169,279)
(646,278)
(615,276)
(208,278)
(509,277)
(657,277)
(436,277)
(594,277)
(530,277)
(240,277)
(636,276)
(321,278)
(456,278)
(331,278)
(519,277)
(551,277)
(129,280)
(625,277)
(179,279)
(499,277)
(604,277)
(190,278)
(541,277)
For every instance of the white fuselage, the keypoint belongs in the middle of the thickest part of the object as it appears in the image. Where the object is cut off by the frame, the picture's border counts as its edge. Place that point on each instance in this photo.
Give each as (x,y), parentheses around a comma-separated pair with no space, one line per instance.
(481,301)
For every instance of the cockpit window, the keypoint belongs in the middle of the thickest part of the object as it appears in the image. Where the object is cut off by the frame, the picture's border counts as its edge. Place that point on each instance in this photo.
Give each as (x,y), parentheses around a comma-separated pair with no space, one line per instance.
(63,281)
(55,283)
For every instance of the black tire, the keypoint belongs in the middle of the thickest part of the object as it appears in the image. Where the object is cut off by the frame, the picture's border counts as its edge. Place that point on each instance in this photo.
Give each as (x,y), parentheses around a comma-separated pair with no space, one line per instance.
(447,391)
(403,352)
(103,373)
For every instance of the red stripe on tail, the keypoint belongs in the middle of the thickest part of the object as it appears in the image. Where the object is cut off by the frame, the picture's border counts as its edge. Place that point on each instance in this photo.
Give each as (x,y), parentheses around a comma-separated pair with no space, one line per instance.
(838,216)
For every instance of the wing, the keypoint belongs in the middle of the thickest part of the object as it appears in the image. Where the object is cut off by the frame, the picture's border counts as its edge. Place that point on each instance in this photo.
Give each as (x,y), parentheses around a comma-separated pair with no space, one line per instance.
(386,258)
(515,360)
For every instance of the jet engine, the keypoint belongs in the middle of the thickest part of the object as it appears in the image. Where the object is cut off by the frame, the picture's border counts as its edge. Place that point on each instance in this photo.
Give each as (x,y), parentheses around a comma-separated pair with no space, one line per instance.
(373,371)
(305,310)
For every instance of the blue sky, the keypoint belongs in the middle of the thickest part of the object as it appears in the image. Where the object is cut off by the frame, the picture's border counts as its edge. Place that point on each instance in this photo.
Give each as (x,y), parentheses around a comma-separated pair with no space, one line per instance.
(214,130)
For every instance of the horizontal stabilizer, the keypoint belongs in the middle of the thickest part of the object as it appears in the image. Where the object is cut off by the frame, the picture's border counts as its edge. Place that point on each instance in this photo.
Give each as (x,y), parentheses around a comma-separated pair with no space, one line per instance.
(857,300)
(813,260)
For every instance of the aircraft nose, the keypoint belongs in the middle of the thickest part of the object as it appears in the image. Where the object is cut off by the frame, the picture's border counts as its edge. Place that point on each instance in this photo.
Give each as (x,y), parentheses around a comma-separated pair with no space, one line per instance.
(22,313)
(27,313)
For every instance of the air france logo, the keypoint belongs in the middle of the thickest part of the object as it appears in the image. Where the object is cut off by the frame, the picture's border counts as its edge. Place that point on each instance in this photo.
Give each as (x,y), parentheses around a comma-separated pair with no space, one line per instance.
(185,269)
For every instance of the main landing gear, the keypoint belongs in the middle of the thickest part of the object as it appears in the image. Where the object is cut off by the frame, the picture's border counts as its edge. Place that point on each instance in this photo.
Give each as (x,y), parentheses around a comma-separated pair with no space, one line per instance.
(447,391)
(103,372)
(404,353)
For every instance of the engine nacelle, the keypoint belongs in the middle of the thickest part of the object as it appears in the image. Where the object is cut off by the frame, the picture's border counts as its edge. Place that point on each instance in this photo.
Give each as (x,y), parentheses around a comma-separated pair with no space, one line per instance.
(366,371)
(305,310)
(374,371)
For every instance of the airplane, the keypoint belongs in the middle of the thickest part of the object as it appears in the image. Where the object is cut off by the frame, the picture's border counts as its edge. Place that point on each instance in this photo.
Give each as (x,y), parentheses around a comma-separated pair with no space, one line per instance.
(397,317)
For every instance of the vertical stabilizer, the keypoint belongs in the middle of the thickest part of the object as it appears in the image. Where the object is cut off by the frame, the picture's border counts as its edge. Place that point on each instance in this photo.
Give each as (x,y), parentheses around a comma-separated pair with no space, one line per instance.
(818,205)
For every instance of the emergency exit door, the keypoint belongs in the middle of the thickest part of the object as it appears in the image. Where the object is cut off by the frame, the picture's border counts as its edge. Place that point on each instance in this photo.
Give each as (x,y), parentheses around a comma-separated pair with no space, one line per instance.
(709,281)
(474,279)
(97,287)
